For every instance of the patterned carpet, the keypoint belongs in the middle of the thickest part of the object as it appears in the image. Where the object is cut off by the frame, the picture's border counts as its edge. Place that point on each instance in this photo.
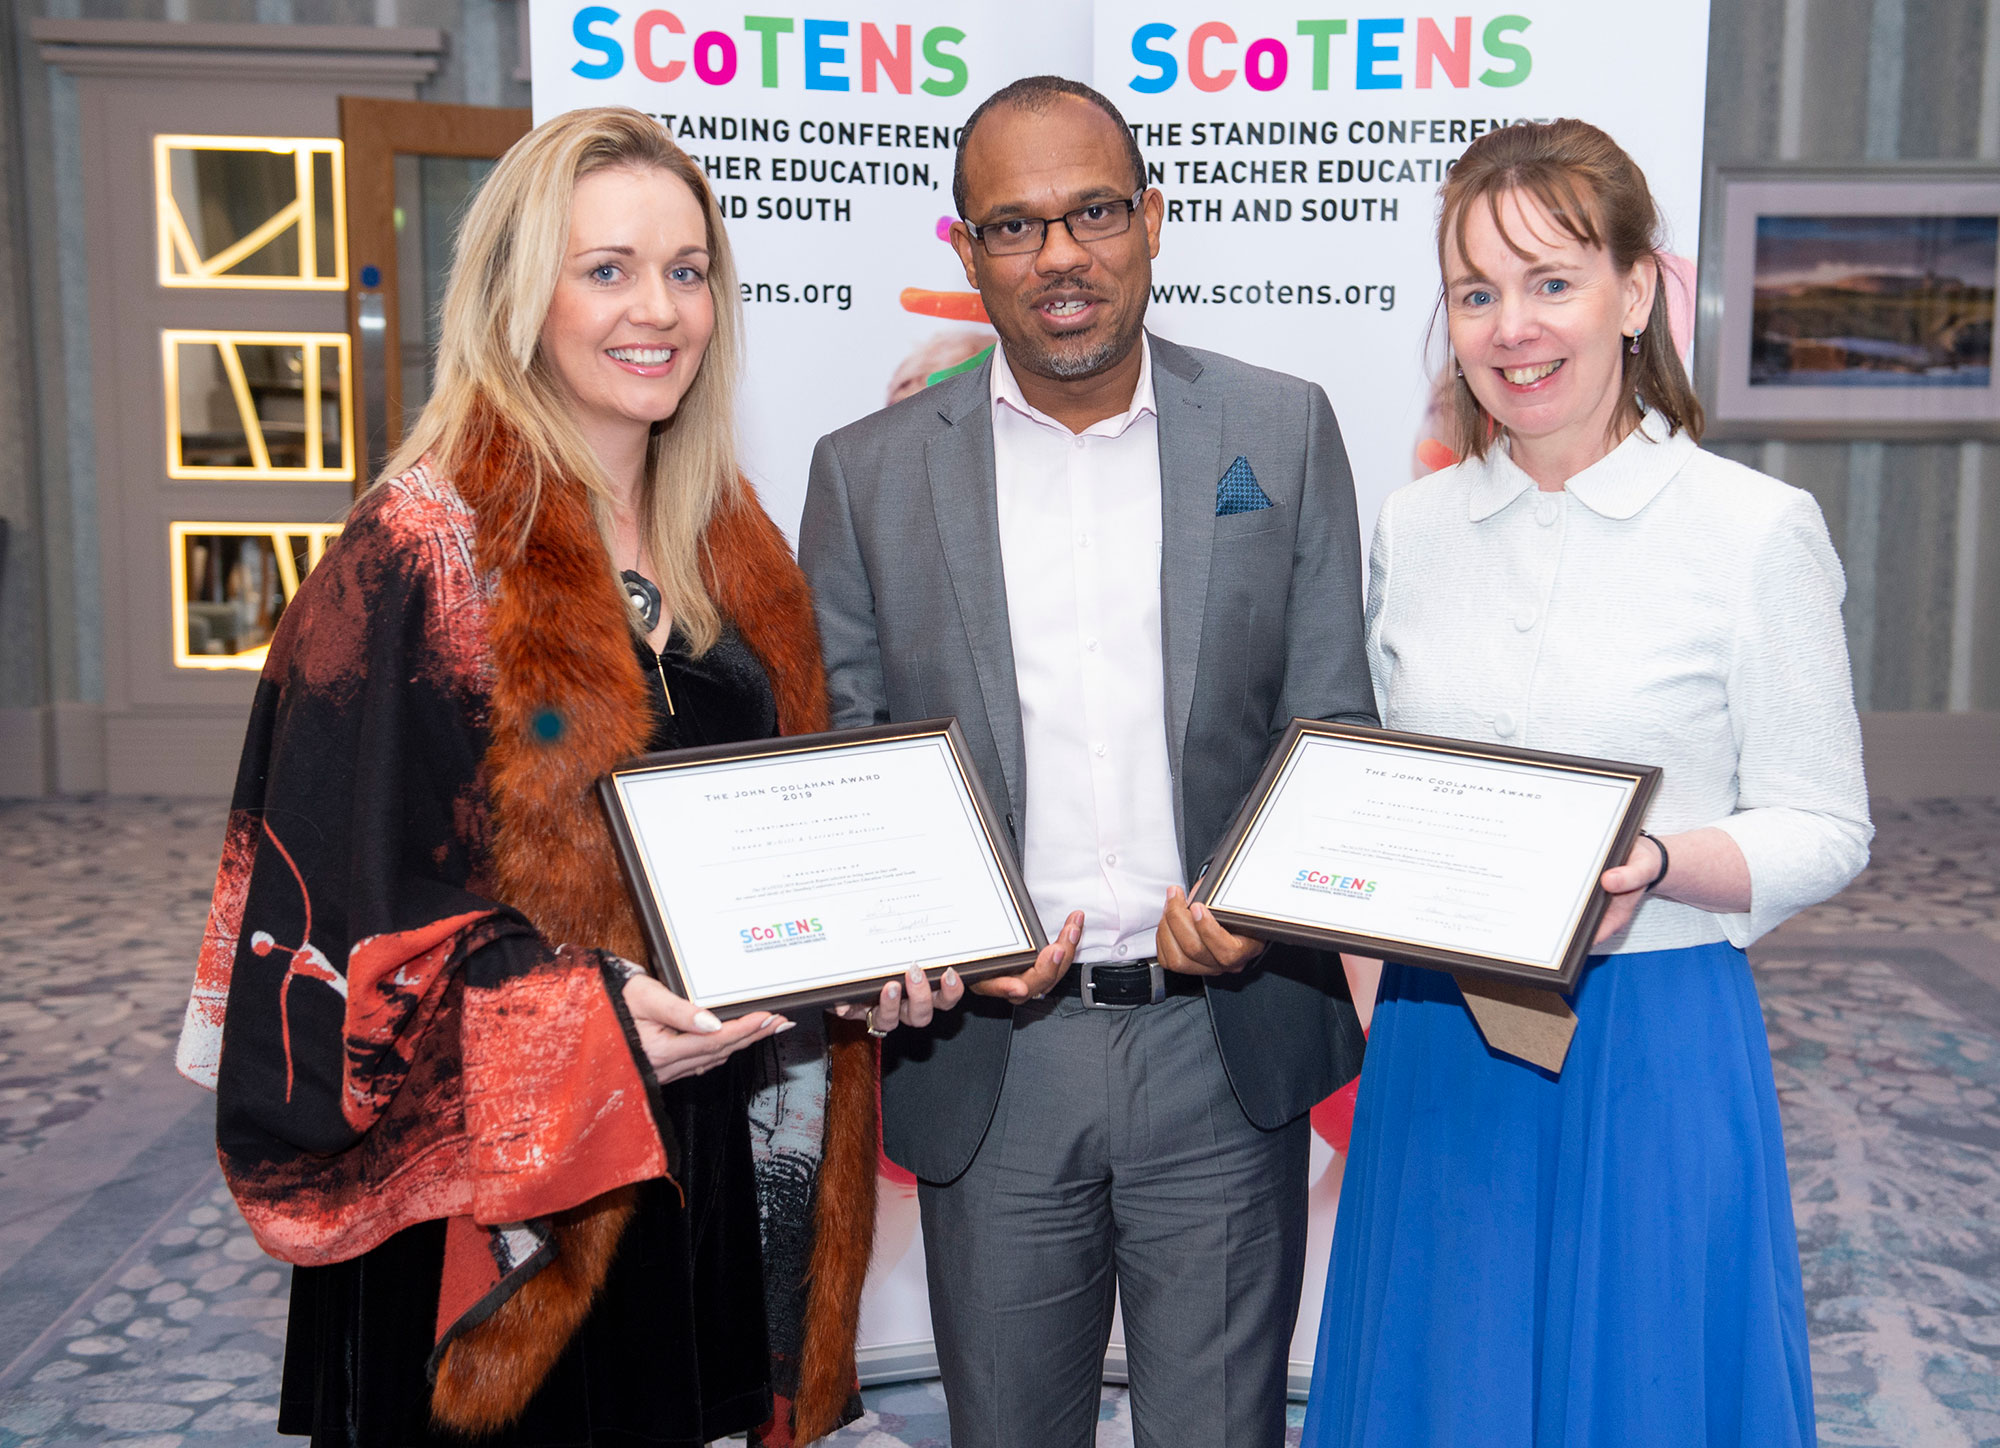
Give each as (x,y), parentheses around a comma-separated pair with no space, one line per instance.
(138,1312)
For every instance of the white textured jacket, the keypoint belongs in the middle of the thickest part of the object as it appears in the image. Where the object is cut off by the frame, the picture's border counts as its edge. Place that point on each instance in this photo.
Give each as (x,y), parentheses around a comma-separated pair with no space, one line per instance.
(1669,607)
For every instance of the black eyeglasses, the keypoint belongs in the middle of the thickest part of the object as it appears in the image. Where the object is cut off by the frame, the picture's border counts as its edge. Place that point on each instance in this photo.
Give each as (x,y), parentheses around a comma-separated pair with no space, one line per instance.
(1099,221)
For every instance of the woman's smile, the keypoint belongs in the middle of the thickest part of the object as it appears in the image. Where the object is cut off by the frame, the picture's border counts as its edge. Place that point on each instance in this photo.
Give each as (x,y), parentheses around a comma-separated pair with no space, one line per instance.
(644,361)
(1528,379)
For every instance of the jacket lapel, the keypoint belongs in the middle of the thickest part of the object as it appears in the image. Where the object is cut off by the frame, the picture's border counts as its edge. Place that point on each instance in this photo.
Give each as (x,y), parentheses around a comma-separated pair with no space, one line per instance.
(960,463)
(1190,462)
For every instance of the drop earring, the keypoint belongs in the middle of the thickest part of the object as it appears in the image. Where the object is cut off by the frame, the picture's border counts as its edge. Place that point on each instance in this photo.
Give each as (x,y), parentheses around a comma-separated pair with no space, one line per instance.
(1635,340)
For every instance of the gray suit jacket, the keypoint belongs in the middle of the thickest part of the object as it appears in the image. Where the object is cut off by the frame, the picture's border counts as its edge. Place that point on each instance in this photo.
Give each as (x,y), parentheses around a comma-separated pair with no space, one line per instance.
(1261,621)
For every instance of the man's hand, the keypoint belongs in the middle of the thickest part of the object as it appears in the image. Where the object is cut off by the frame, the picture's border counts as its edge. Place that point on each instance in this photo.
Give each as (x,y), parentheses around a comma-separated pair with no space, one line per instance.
(910,1001)
(681,1040)
(1193,942)
(1034,982)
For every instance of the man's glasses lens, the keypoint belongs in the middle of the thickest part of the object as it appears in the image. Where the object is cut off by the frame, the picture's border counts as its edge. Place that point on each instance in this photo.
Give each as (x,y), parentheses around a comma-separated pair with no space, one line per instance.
(1095,222)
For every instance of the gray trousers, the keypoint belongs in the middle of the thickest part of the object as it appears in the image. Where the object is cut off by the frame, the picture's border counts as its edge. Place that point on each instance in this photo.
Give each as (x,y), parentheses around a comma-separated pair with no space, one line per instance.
(1118,1159)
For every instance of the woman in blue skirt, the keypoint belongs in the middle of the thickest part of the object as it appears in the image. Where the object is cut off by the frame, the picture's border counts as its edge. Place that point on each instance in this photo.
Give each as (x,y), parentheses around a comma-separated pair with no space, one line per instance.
(1601,1256)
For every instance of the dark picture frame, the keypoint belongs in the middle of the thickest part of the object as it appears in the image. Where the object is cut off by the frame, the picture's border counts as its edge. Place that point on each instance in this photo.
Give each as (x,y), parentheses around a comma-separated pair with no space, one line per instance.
(984,826)
(1854,303)
(1213,888)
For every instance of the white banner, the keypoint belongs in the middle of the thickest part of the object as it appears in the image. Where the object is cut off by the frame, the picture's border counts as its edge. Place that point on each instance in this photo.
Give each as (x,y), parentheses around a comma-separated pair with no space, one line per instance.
(830,143)
(1300,154)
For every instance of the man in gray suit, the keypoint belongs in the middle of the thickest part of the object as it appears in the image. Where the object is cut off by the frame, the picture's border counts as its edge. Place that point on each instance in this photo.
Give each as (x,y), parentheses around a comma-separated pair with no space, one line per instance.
(1125,566)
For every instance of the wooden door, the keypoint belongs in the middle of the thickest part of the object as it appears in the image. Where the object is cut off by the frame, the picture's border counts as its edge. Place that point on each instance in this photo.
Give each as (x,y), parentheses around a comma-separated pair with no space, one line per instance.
(412,167)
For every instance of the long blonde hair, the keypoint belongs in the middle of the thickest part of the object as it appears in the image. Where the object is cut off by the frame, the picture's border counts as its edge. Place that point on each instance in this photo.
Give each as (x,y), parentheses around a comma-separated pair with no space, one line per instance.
(505,264)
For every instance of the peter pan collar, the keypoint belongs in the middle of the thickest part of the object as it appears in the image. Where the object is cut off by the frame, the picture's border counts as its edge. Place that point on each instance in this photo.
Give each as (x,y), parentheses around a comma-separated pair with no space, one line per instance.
(1616,486)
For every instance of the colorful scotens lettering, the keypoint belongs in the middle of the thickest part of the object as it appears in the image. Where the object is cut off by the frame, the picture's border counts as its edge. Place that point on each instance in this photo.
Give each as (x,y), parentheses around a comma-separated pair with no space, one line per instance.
(821,54)
(782,932)
(1385,52)
(1322,883)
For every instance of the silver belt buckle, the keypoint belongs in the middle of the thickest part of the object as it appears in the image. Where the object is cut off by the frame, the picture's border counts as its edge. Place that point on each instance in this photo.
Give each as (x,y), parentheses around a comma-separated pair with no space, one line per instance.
(1087,988)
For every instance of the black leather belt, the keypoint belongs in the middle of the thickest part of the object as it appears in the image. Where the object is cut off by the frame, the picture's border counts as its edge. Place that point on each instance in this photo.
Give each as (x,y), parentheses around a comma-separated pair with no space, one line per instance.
(1120,985)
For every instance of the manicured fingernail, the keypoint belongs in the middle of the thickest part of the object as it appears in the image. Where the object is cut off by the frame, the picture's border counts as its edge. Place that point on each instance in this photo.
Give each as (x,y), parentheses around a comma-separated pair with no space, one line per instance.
(783,1026)
(705,1022)
(914,975)
(950,976)
(892,989)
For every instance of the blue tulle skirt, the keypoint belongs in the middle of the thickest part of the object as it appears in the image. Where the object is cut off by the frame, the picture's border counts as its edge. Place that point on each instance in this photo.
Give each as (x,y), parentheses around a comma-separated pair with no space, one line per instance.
(1604,1259)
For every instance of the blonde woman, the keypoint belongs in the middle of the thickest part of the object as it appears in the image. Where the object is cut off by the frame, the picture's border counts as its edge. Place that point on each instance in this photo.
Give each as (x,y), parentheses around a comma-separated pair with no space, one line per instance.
(514,1172)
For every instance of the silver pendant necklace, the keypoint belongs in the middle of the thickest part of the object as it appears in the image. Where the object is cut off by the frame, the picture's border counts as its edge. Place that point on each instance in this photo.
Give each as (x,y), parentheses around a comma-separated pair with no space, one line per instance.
(644,596)
(641,592)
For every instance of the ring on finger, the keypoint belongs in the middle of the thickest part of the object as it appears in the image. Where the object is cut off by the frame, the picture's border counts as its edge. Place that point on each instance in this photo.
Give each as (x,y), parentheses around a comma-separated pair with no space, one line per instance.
(874,1030)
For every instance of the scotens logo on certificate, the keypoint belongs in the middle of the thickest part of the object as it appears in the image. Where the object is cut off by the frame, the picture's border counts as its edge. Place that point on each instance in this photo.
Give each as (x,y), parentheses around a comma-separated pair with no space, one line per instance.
(1430,851)
(794,872)
(780,933)
(1321,883)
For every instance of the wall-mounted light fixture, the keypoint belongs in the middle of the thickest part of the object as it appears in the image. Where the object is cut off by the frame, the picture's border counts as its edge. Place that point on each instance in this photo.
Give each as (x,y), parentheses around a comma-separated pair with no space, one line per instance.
(231,583)
(264,212)
(259,405)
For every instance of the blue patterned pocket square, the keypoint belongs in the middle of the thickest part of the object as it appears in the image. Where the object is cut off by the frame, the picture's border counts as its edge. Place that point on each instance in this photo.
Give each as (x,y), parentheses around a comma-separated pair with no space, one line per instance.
(1237,492)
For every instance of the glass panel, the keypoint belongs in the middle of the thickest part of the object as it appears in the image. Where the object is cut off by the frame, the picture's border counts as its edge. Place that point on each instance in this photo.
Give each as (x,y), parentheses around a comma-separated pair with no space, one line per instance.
(231,583)
(250,211)
(258,405)
(432,194)
(329,209)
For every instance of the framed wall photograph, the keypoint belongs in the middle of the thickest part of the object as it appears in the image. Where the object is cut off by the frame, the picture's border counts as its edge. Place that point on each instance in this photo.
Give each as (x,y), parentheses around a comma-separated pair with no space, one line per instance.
(1857,303)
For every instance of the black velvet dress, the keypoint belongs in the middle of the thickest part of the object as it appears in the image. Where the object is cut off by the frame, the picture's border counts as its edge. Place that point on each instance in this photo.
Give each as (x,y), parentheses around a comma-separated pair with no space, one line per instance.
(674,1349)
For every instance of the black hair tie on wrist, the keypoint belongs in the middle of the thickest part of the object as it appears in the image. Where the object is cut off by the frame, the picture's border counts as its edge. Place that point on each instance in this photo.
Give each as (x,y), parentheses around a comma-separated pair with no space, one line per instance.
(1664,862)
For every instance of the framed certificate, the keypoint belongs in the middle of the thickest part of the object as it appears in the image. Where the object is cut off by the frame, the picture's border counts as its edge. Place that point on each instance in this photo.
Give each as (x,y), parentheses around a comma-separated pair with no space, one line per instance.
(798,872)
(1435,852)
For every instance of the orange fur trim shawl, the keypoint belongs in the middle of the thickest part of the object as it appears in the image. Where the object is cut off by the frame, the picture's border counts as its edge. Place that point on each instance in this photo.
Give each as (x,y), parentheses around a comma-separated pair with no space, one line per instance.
(561,642)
